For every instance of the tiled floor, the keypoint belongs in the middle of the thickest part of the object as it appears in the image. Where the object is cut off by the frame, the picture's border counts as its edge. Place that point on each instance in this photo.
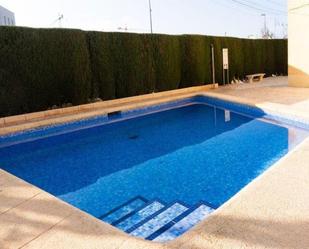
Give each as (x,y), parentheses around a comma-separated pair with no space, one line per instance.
(271,212)
(270,91)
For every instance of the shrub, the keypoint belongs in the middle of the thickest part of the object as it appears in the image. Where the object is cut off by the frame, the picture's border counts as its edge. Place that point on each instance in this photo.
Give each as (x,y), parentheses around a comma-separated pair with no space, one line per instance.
(194,60)
(133,64)
(102,65)
(41,68)
(167,62)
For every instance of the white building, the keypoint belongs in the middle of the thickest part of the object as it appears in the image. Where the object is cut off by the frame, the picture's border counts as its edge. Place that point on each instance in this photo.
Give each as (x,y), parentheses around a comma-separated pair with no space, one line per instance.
(298,43)
(7,18)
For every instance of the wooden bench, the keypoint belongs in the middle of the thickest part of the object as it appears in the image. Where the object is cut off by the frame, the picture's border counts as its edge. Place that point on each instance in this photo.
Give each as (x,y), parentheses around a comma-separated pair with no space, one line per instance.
(255,77)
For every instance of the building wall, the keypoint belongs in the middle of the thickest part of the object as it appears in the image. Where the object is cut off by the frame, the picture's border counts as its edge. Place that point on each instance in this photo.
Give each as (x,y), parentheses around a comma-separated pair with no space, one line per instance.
(7,18)
(298,43)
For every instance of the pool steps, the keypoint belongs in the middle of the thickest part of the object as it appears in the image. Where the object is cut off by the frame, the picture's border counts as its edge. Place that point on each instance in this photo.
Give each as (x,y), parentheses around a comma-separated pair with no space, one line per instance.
(139,215)
(123,210)
(182,223)
(156,220)
(152,225)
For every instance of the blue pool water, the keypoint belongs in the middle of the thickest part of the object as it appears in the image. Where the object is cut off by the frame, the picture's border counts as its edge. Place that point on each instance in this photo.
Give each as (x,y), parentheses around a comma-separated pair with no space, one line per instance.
(195,152)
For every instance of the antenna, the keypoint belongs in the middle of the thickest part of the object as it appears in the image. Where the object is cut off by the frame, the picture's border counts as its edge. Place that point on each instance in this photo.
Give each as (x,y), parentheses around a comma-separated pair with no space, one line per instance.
(59,20)
(150,15)
(264,30)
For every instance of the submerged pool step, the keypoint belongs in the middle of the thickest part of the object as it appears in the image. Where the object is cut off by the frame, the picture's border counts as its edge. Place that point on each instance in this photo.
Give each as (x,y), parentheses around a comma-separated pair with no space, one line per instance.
(182,223)
(139,215)
(123,210)
(157,220)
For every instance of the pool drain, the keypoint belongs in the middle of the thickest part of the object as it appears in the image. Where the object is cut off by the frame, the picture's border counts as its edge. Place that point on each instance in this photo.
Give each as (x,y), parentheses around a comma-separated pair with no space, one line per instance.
(133,137)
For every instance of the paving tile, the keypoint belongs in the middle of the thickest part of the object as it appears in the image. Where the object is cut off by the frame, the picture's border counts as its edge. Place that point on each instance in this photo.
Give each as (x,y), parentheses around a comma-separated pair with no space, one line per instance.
(134,243)
(294,165)
(28,220)
(53,112)
(304,146)
(14,191)
(191,241)
(34,115)
(79,231)
(14,119)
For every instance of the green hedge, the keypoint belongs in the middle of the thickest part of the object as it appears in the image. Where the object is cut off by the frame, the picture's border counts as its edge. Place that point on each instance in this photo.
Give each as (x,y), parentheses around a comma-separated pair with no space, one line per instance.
(102,61)
(166,62)
(40,68)
(195,59)
(133,68)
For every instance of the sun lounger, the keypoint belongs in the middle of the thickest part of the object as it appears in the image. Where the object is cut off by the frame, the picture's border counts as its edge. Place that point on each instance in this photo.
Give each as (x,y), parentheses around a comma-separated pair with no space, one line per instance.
(255,77)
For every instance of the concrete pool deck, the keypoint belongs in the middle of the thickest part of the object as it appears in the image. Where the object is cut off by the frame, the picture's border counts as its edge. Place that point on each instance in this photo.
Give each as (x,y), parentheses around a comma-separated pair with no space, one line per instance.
(271,212)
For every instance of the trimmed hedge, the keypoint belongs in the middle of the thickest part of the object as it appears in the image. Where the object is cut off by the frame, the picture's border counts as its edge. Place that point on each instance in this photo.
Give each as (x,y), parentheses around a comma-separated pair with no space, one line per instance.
(195,59)
(133,68)
(166,62)
(40,68)
(102,60)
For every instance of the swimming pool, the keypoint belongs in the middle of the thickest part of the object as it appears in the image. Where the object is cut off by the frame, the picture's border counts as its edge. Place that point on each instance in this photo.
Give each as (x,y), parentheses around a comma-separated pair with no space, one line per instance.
(146,170)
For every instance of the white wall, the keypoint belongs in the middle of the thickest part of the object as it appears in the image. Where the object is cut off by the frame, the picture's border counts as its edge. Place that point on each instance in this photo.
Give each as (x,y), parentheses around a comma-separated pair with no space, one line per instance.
(298,43)
(7,17)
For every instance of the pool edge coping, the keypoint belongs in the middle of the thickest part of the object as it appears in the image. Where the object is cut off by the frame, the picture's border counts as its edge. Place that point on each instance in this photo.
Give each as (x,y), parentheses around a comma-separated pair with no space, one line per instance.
(13,124)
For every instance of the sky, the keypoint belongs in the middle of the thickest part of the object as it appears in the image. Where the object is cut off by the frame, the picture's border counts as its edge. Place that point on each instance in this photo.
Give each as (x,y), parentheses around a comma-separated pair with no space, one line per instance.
(237,18)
